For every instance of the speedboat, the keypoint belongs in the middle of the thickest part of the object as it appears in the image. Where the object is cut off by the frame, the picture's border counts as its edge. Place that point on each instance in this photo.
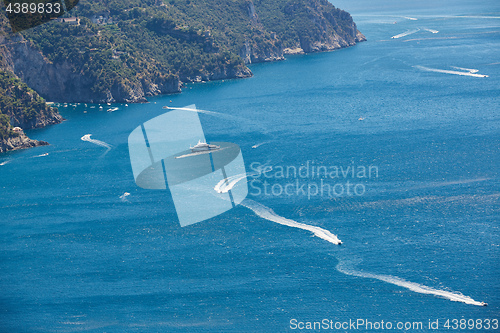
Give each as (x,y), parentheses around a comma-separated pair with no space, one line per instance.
(203,146)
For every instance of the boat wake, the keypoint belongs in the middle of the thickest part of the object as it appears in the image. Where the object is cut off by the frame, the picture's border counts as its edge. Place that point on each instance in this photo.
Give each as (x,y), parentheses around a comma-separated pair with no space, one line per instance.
(259,144)
(468,72)
(87,138)
(238,120)
(228,183)
(268,214)
(193,110)
(5,162)
(124,196)
(409,32)
(432,30)
(415,287)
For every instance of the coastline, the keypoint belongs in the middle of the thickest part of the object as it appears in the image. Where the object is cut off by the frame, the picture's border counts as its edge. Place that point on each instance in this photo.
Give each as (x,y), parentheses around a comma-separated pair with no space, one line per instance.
(21,141)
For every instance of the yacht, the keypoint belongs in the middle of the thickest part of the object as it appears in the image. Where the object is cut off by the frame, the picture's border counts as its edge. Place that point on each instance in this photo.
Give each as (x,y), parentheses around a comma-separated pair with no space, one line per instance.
(203,146)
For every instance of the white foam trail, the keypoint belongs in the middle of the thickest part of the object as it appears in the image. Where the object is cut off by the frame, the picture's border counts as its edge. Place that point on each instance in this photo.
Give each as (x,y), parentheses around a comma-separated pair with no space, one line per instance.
(477,16)
(410,18)
(87,138)
(259,144)
(193,110)
(239,120)
(433,31)
(450,72)
(406,33)
(228,183)
(470,70)
(268,214)
(418,288)
(4,162)
(124,196)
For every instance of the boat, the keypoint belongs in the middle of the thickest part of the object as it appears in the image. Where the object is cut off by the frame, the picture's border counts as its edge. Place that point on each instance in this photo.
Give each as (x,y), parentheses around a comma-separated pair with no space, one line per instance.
(203,146)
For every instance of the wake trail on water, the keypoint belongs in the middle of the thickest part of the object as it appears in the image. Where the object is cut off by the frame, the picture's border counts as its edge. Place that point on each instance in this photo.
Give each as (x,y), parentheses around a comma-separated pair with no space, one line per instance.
(415,287)
(223,116)
(259,144)
(470,70)
(194,110)
(444,71)
(268,214)
(432,30)
(87,138)
(228,183)
(124,196)
(406,33)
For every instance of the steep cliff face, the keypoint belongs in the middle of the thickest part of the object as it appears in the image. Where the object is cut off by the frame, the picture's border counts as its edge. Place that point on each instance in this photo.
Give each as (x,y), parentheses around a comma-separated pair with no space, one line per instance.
(21,108)
(254,52)
(126,51)
(296,26)
(142,49)
(310,26)
(43,118)
(261,45)
(63,83)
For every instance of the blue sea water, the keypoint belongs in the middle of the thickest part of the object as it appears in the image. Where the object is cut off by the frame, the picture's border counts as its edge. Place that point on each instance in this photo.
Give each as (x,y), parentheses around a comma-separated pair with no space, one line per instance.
(75,255)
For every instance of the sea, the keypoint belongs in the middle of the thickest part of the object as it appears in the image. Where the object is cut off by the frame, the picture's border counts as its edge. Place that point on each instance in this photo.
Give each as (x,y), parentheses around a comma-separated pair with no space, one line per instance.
(391,146)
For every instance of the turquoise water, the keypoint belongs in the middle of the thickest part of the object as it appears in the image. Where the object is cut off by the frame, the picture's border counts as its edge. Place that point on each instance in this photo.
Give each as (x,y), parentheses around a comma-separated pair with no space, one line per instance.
(78,256)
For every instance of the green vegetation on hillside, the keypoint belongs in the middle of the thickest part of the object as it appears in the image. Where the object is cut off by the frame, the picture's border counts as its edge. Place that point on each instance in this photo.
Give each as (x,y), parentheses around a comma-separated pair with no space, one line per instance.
(5,129)
(18,104)
(140,41)
(124,50)
(146,47)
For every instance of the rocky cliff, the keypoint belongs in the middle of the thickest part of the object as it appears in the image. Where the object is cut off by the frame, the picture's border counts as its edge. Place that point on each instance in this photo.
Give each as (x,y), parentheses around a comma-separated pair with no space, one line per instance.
(141,49)
(21,108)
(19,141)
(310,26)
(127,50)
(60,81)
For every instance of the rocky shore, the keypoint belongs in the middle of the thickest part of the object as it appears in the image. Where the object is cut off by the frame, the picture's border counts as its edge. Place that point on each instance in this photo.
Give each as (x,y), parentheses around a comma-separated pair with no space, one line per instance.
(20,141)
(126,58)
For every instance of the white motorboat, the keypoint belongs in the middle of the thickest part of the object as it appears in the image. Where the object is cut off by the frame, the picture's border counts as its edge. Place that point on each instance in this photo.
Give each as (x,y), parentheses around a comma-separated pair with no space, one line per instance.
(203,146)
